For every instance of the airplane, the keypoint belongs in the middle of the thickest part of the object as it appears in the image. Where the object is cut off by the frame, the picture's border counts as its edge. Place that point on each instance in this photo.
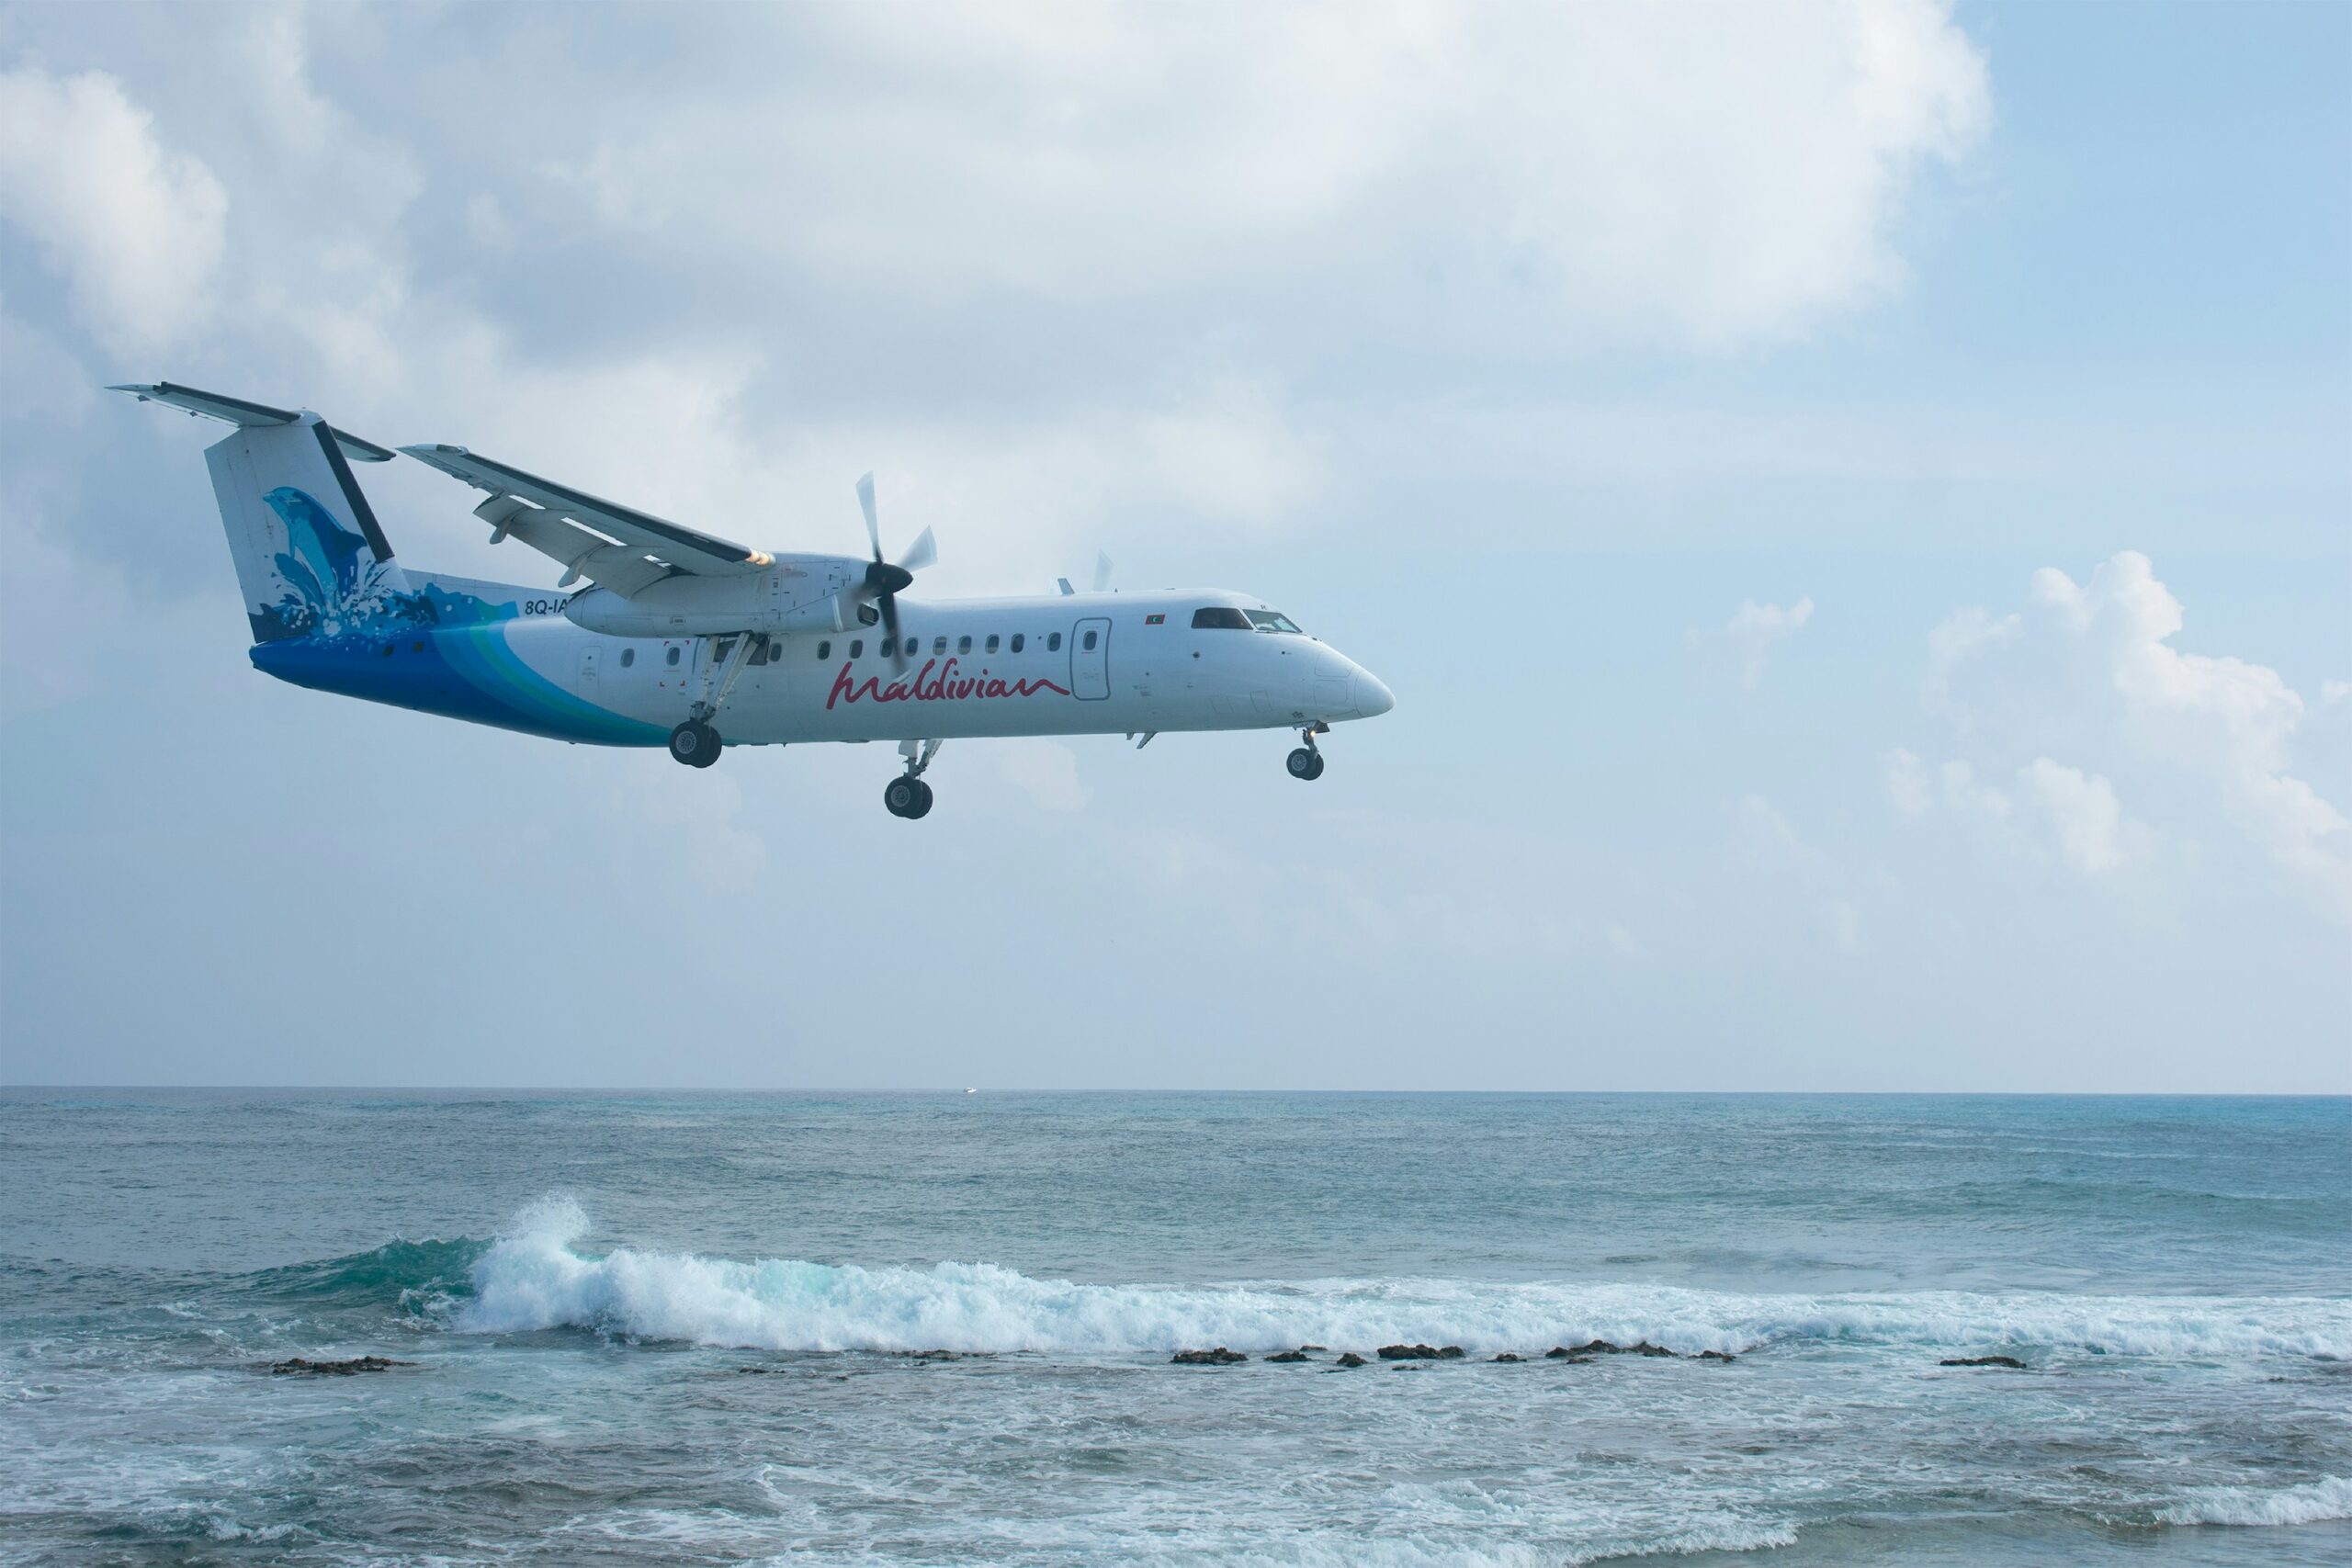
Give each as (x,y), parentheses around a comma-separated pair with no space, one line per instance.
(654,630)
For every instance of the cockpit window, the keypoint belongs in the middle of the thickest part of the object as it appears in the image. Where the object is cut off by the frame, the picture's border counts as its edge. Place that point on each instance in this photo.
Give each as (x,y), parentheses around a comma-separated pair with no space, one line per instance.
(1273,621)
(1220,616)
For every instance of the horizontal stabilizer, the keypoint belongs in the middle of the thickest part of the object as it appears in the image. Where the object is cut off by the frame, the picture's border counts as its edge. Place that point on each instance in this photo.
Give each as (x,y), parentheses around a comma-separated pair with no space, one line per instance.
(238,411)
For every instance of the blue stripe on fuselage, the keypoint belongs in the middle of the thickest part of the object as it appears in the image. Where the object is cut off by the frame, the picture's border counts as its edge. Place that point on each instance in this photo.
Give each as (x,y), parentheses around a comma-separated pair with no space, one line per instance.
(465,672)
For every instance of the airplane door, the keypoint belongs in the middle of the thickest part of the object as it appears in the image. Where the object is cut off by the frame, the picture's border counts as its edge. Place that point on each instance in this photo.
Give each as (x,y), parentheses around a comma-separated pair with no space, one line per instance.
(1089,659)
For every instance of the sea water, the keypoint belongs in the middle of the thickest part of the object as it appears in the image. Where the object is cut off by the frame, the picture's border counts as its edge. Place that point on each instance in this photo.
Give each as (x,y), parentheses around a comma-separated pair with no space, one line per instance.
(681,1328)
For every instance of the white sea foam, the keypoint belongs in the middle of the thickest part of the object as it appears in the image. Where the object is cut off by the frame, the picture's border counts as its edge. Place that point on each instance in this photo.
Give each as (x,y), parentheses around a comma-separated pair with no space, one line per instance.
(2329,1497)
(534,1277)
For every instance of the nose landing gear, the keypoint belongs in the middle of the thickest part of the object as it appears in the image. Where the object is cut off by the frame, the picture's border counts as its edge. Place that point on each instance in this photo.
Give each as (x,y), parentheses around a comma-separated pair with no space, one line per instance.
(1306,763)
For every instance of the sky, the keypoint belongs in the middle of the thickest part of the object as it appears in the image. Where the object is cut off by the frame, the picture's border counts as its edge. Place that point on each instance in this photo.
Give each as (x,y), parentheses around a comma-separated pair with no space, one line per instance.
(1852,501)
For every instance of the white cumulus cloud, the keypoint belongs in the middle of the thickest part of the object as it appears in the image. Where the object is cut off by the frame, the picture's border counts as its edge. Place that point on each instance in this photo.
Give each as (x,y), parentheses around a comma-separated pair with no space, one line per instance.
(1754,630)
(135,229)
(2083,810)
(2082,694)
(1709,177)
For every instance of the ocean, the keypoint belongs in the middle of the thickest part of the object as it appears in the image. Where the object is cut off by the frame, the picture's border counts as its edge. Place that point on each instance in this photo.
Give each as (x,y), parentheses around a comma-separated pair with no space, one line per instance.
(819,1328)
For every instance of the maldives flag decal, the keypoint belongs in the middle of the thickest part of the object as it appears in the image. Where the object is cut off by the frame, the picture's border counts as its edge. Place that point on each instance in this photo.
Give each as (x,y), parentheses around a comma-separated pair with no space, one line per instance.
(1154,620)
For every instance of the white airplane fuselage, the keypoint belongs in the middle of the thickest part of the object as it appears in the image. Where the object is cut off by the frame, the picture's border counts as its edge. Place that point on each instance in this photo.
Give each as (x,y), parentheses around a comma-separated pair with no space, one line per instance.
(1120,664)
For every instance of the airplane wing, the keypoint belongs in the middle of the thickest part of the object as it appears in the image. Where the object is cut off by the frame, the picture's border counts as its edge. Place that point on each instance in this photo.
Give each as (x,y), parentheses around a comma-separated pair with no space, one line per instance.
(618,546)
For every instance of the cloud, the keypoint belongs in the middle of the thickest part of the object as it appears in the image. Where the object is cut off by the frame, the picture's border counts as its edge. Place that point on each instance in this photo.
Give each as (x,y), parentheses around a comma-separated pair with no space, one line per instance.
(2082,696)
(1053,273)
(1779,874)
(133,229)
(1753,631)
(1705,179)
(2083,809)
(1907,781)
(1045,770)
(688,828)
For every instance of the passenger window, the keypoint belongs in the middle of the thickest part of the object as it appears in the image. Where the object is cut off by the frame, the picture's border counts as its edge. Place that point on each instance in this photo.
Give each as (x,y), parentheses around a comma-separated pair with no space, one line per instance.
(939,645)
(824,651)
(672,660)
(1220,617)
(628,657)
(857,647)
(991,646)
(963,645)
(1090,642)
(1016,642)
(1054,643)
(887,646)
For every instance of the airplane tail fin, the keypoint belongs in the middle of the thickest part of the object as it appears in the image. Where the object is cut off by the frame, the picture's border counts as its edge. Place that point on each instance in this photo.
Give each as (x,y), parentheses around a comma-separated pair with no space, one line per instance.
(310,557)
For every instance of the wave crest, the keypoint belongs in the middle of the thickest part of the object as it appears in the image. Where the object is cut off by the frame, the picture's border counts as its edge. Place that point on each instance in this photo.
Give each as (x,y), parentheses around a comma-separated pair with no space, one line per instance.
(534,1277)
(2329,1497)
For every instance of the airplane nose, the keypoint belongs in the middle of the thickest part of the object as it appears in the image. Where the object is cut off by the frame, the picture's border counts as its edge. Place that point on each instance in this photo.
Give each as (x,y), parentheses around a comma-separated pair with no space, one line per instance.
(1373,699)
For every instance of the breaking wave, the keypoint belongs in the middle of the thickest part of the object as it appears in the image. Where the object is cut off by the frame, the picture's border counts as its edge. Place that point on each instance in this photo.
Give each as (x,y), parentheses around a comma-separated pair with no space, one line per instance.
(2330,1497)
(534,1277)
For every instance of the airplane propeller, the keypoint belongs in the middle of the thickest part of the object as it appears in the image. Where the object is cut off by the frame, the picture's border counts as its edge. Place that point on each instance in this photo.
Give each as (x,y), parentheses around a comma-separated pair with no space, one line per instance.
(886,582)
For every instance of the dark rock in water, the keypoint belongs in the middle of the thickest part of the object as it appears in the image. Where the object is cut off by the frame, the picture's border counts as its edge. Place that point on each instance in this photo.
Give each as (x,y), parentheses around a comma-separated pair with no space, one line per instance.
(1558,1353)
(932,1355)
(1352,1360)
(1314,1347)
(1645,1348)
(1983,1362)
(1288,1356)
(1410,1352)
(1507,1356)
(1220,1357)
(1603,1348)
(301,1367)
(1715,1356)
(1449,1352)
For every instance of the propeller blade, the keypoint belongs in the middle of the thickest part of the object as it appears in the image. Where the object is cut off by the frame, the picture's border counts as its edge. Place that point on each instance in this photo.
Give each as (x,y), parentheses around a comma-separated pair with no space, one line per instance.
(1102,572)
(872,524)
(924,552)
(890,630)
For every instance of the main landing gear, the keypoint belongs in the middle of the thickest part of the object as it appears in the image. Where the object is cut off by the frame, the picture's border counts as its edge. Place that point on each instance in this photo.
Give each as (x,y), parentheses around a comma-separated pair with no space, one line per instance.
(906,795)
(695,742)
(1307,761)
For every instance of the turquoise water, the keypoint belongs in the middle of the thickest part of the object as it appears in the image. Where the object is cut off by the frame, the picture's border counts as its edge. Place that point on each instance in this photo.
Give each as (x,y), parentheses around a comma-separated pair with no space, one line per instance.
(678,1328)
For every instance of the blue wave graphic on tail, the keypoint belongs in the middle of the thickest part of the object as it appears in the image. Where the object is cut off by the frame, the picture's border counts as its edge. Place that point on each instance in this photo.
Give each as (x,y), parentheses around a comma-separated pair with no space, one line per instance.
(334,585)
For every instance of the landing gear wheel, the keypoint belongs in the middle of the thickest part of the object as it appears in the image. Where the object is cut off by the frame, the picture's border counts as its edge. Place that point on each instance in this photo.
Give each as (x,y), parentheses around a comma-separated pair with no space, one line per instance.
(1304,763)
(695,743)
(921,807)
(903,797)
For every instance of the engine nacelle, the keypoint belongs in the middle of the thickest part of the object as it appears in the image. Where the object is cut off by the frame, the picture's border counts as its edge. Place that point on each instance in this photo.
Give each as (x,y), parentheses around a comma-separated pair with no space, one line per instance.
(774,601)
(676,606)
